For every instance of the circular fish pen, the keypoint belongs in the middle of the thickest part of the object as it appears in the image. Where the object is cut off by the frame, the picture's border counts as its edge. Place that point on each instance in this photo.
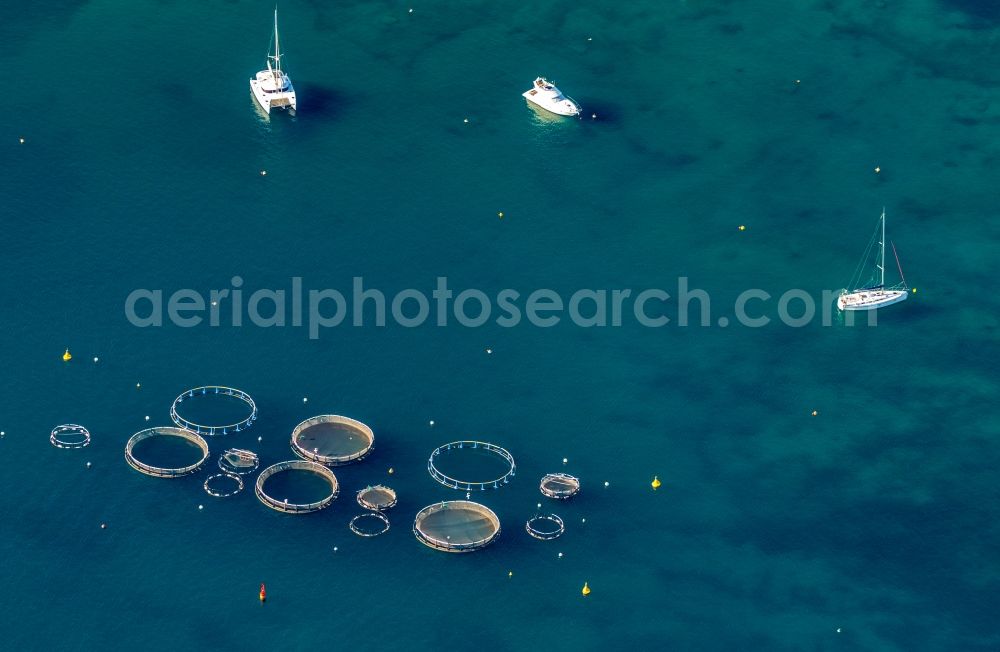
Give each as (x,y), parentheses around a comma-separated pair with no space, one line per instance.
(332,440)
(172,443)
(213,482)
(369,524)
(560,486)
(237,413)
(238,461)
(545,527)
(69,435)
(483,459)
(378,498)
(305,473)
(456,526)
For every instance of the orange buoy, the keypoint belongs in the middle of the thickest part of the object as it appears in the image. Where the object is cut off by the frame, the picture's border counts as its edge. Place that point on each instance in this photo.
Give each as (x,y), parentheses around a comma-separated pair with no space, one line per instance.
(263,592)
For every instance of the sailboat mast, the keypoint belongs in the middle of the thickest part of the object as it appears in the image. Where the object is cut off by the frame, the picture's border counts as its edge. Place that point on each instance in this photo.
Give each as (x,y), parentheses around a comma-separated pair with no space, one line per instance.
(881,245)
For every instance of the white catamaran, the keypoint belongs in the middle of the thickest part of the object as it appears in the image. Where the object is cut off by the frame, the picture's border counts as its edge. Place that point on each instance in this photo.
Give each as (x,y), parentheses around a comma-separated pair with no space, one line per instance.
(873,294)
(272,88)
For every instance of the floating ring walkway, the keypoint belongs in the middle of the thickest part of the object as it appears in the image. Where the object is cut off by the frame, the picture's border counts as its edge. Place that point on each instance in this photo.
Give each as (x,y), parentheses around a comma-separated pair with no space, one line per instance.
(332,440)
(471,485)
(560,486)
(223,494)
(456,526)
(162,472)
(209,430)
(381,524)
(545,527)
(69,435)
(297,508)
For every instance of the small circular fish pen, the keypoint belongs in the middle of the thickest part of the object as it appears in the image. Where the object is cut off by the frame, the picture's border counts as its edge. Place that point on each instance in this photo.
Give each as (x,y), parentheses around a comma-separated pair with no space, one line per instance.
(332,440)
(495,463)
(545,527)
(292,468)
(560,486)
(369,524)
(216,485)
(234,420)
(69,435)
(174,441)
(378,498)
(238,461)
(456,526)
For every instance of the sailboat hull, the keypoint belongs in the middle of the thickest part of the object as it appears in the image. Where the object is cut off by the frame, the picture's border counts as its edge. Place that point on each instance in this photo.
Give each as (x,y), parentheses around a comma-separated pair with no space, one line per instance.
(870,299)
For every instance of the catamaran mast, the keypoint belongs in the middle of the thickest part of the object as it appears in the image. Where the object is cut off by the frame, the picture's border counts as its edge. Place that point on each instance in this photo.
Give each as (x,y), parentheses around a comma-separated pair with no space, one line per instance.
(277,48)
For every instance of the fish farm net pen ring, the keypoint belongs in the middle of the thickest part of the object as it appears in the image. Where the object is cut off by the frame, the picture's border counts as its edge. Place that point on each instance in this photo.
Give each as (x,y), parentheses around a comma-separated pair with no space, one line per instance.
(223,493)
(332,440)
(69,435)
(545,527)
(369,524)
(291,466)
(159,471)
(210,430)
(471,485)
(456,526)
(238,461)
(377,498)
(560,486)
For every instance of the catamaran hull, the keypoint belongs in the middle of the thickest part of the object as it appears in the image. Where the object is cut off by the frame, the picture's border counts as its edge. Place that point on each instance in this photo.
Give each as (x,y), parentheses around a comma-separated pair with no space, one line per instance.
(870,299)
(272,100)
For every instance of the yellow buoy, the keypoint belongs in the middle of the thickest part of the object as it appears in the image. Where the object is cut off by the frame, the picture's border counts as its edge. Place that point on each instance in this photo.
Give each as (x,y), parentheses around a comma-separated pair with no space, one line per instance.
(815,413)
(743,227)
(586,589)
(510,573)
(500,215)
(656,482)
(67,356)
(914,290)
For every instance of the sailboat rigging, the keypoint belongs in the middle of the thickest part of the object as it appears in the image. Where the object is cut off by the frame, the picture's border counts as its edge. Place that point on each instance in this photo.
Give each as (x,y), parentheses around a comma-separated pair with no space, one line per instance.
(873,293)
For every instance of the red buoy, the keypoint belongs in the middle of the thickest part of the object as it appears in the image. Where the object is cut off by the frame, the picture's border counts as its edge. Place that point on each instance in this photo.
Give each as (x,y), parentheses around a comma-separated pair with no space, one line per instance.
(263,592)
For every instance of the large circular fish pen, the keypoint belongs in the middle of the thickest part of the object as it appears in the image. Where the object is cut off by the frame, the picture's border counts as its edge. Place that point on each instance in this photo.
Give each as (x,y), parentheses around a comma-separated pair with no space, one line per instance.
(177,446)
(332,440)
(458,464)
(456,526)
(297,472)
(234,409)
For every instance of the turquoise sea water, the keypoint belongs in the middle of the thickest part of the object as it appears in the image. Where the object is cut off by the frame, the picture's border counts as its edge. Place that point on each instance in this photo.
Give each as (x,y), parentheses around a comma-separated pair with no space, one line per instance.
(773,529)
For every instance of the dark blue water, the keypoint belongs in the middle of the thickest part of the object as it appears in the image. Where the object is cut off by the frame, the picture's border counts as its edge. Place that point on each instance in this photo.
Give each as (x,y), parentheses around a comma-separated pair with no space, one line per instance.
(141,168)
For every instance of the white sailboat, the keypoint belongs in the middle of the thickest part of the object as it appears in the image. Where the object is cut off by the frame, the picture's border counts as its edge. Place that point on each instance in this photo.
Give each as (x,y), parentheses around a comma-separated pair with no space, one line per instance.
(873,294)
(272,88)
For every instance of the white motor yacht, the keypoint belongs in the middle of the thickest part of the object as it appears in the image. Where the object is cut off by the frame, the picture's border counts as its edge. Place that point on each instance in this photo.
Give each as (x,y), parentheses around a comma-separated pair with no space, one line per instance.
(545,94)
